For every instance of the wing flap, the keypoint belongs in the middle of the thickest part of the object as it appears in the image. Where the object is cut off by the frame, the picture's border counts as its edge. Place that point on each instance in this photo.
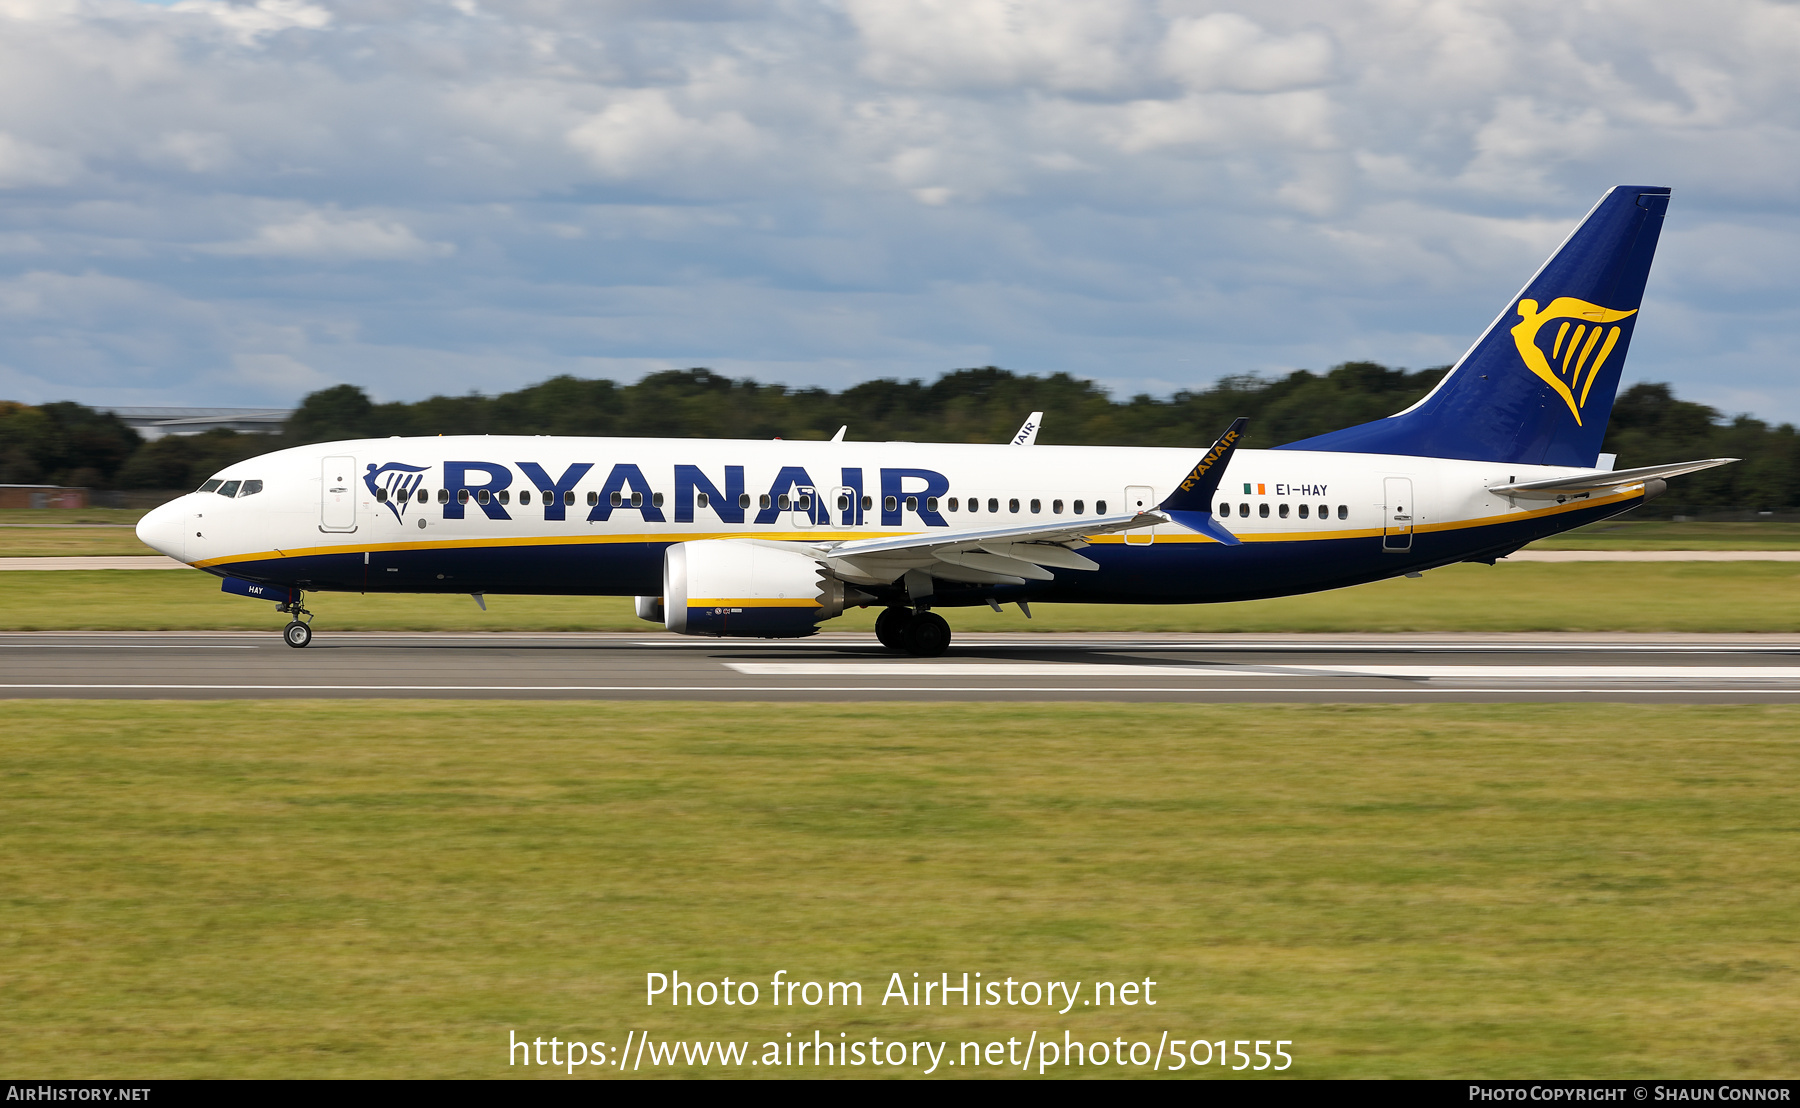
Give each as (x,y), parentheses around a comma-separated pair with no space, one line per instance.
(993,563)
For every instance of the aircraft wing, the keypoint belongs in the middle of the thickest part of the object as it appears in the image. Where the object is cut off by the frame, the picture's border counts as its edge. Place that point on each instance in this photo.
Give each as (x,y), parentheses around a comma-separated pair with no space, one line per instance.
(1028,551)
(983,555)
(1575,484)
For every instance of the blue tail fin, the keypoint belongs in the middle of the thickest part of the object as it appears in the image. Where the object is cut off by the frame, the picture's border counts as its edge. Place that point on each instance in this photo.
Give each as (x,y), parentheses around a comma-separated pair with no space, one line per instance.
(1537,388)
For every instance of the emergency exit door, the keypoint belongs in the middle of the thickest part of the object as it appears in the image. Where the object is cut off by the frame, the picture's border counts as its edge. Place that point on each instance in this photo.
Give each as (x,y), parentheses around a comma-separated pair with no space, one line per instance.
(1397,514)
(337,494)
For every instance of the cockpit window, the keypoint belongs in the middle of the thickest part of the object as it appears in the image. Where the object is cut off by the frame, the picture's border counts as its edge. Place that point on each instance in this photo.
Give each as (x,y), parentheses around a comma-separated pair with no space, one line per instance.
(251,488)
(212,485)
(229,488)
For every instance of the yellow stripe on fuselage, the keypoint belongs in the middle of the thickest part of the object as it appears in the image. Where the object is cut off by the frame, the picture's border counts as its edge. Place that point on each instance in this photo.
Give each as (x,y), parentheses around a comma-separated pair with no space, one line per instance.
(845,536)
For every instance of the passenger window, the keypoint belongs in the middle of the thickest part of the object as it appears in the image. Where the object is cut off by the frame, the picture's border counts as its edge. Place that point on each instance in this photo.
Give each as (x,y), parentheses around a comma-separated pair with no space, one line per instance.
(763,501)
(1078,507)
(953,503)
(1262,510)
(229,488)
(381,496)
(616,500)
(443,496)
(1037,506)
(1324,511)
(637,500)
(462,496)
(912,503)
(1013,506)
(505,496)
(424,496)
(656,500)
(700,499)
(1056,507)
(843,502)
(251,488)
(1284,511)
(1099,507)
(593,498)
(484,496)
(1244,510)
(784,503)
(550,496)
(1343,511)
(743,500)
(1224,508)
(524,496)
(931,503)
(212,485)
(868,502)
(890,504)
(1302,511)
(805,503)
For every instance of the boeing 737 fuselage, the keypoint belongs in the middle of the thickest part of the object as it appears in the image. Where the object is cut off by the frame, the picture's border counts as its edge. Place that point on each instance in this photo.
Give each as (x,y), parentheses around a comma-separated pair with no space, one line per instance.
(770,538)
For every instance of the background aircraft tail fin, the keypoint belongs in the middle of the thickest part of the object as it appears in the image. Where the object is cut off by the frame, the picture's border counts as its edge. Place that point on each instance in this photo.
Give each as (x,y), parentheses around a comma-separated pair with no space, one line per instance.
(1537,387)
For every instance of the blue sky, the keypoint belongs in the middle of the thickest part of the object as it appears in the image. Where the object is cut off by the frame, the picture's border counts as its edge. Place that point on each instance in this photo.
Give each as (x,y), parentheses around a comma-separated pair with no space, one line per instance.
(214,202)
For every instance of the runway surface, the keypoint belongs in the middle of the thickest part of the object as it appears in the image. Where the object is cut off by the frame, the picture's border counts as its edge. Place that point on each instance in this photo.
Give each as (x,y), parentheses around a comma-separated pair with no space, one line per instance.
(843,667)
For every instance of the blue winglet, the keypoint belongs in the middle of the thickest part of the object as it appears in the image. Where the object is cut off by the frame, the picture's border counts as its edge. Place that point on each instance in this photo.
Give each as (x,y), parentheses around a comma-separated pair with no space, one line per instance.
(1191,503)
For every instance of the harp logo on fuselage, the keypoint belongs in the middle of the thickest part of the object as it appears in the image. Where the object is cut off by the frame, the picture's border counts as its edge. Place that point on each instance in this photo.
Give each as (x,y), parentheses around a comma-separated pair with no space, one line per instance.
(399,480)
(1578,347)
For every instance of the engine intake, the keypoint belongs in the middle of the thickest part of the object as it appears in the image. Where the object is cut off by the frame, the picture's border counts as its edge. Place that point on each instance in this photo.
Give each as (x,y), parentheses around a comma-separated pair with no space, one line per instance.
(738,587)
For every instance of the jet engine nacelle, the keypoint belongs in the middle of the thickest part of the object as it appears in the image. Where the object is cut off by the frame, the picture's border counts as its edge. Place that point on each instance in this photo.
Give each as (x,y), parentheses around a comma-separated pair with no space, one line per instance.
(743,587)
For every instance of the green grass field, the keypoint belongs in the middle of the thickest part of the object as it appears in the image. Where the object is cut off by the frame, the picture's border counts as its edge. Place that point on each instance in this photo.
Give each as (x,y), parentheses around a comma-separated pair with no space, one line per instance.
(1662,534)
(355,889)
(1656,596)
(17,540)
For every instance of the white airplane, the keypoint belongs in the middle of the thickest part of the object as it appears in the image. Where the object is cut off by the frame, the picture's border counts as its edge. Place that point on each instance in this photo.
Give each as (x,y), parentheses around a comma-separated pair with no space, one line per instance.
(771,538)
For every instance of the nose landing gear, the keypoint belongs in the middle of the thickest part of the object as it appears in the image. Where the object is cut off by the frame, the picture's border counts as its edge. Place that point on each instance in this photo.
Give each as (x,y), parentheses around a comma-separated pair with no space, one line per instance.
(922,634)
(297,633)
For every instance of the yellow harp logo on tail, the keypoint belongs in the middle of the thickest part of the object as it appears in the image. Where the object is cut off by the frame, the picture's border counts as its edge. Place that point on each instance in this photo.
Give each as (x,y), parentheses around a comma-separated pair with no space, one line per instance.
(1576,362)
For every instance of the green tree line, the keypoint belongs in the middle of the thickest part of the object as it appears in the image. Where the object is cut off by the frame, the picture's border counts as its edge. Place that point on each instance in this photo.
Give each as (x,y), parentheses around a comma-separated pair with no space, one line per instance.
(66,443)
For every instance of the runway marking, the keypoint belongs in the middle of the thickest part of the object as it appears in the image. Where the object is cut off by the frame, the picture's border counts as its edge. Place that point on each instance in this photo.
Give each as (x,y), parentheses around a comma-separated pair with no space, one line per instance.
(1084,690)
(1404,672)
(116,646)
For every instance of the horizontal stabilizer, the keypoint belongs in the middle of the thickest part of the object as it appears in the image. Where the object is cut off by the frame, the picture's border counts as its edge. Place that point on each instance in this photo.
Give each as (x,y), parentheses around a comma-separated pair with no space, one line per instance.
(1575,484)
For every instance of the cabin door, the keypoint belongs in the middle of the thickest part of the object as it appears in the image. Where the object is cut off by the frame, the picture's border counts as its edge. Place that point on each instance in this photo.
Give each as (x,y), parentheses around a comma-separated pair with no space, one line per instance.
(337,494)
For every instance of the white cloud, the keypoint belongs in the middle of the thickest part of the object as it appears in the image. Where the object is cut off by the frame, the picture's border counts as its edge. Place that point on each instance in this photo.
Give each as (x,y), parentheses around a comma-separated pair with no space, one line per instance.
(1227,51)
(24,164)
(249,22)
(988,44)
(319,236)
(641,133)
(1153,192)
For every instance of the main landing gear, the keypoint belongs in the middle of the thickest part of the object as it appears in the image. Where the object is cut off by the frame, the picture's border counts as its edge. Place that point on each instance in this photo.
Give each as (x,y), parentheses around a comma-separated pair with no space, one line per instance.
(297,633)
(922,634)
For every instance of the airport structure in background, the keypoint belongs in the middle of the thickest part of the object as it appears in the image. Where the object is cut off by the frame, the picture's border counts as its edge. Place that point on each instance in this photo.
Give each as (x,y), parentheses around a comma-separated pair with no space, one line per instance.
(154,423)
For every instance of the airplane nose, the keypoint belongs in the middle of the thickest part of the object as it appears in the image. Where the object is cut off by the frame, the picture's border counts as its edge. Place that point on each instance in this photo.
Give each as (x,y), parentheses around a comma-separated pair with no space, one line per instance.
(164,529)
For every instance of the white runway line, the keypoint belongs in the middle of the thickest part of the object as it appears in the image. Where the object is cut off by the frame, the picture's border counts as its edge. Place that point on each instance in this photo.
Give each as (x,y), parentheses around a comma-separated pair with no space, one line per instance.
(1405,672)
(118,646)
(156,561)
(1653,556)
(1201,690)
